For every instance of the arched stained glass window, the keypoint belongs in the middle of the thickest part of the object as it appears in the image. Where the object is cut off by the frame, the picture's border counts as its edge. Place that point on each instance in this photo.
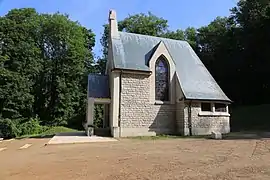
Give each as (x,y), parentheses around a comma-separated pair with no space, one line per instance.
(162,79)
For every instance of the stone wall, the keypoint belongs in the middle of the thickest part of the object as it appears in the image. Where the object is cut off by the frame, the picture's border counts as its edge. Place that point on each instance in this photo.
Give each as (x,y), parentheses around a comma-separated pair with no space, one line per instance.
(205,124)
(139,116)
(180,124)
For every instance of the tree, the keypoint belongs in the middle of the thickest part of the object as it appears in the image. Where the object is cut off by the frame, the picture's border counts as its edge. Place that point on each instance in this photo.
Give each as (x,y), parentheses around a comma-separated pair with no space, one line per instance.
(178,34)
(252,20)
(101,62)
(19,62)
(191,37)
(65,50)
(45,59)
(147,24)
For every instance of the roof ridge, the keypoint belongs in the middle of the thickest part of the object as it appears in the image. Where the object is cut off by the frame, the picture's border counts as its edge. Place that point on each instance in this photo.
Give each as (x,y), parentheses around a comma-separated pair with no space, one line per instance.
(157,37)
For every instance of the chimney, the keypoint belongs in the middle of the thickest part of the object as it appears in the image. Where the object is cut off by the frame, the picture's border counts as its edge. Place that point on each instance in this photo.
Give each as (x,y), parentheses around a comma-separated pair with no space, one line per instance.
(113,24)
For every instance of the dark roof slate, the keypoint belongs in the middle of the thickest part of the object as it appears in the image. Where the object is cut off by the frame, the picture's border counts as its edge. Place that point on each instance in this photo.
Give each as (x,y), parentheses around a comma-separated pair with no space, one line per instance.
(98,86)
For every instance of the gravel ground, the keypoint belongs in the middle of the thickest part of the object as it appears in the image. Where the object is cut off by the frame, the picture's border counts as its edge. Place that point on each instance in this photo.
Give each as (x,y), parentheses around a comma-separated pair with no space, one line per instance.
(137,159)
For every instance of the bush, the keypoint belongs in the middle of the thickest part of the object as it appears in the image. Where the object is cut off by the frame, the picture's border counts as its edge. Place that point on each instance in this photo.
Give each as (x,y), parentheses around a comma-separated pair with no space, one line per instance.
(31,127)
(8,128)
(23,128)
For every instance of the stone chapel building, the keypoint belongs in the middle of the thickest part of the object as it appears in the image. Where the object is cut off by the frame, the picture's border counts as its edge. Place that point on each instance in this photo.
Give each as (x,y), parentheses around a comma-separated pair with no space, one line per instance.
(155,86)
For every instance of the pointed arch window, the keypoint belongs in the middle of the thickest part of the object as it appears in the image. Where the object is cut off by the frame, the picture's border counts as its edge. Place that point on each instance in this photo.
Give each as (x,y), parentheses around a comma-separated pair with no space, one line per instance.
(162,79)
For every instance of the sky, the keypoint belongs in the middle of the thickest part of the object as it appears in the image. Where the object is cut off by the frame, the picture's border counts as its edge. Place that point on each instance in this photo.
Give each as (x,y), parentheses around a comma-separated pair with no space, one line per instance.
(94,13)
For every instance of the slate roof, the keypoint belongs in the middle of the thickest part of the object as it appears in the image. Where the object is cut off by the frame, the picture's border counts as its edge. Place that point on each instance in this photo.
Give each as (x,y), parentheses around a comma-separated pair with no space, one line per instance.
(132,51)
(98,86)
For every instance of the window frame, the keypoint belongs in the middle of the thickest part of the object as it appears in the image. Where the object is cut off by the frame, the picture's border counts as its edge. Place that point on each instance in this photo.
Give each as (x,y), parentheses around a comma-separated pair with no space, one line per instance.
(167,100)
(210,106)
(224,108)
(213,112)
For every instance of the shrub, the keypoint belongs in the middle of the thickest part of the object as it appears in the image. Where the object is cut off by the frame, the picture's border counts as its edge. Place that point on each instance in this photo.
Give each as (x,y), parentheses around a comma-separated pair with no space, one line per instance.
(23,127)
(8,128)
(31,127)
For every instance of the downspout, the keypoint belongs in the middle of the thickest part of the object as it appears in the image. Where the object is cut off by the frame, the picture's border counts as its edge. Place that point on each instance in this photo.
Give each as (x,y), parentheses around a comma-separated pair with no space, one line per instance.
(119,110)
(189,118)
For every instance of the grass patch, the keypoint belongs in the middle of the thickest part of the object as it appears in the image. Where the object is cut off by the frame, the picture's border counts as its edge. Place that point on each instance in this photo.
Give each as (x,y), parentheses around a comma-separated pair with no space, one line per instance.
(231,135)
(154,137)
(58,129)
(49,132)
(163,136)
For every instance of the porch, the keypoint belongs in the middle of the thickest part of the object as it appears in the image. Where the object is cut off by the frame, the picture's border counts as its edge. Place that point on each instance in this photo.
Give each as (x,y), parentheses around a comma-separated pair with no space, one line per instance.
(98,106)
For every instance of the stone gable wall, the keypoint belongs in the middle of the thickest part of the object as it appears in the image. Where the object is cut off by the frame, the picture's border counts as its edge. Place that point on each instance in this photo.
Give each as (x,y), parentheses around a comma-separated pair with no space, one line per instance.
(138,115)
(141,117)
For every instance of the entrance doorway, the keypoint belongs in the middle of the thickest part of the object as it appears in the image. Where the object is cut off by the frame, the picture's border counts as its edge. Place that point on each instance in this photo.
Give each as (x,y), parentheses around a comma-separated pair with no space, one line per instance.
(101,120)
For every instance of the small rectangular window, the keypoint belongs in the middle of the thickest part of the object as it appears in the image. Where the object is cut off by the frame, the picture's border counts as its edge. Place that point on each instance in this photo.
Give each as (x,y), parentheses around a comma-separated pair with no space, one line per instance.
(220,107)
(206,107)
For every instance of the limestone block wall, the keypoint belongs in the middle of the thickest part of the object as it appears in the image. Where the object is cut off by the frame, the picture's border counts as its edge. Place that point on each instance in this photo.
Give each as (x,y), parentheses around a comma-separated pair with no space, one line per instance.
(180,124)
(139,115)
(180,105)
(204,124)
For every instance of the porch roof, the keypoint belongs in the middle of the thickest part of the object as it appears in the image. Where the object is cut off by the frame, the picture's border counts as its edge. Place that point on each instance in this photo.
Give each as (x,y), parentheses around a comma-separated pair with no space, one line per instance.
(98,86)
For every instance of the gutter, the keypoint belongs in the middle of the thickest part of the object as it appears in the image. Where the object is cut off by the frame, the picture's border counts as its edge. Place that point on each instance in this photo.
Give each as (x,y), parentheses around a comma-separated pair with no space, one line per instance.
(119,110)
(131,70)
(189,118)
(211,100)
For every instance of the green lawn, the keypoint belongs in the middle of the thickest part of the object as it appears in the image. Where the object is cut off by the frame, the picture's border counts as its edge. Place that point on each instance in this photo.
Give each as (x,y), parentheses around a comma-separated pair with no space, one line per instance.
(163,136)
(50,132)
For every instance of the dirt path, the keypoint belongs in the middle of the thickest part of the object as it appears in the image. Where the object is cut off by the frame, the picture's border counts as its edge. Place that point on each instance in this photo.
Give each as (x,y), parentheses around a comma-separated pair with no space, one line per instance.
(137,159)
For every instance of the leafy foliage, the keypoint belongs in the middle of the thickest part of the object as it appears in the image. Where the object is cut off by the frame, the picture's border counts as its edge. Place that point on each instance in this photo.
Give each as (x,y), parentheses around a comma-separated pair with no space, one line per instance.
(235,50)
(44,63)
(31,126)
(147,24)
(8,128)
(98,115)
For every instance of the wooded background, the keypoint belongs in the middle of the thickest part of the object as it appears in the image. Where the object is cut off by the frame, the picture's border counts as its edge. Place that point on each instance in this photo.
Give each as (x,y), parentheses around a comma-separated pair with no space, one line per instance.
(45,60)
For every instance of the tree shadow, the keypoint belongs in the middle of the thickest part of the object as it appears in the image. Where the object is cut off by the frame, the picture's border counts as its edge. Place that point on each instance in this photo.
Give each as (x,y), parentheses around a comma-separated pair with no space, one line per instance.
(104,132)
(245,135)
(77,133)
(36,137)
(164,122)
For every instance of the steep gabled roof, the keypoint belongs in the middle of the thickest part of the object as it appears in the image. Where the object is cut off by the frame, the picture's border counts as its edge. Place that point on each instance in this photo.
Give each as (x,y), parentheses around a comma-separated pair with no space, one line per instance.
(132,51)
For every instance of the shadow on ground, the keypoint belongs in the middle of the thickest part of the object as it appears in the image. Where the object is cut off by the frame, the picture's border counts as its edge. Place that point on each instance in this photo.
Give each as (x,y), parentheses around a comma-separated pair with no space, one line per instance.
(231,136)
(242,135)
(246,135)
(80,133)
(37,136)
